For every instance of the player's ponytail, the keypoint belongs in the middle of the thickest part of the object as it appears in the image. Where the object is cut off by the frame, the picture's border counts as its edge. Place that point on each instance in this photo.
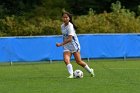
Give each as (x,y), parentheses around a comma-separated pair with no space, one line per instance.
(70,16)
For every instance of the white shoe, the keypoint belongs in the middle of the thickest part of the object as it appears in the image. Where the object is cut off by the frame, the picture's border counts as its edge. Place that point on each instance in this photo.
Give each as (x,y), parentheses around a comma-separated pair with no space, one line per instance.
(71,76)
(92,73)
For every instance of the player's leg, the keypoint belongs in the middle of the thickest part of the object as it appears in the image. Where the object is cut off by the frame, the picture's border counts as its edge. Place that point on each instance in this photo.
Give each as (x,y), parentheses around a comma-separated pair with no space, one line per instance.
(78,60)
(67,56)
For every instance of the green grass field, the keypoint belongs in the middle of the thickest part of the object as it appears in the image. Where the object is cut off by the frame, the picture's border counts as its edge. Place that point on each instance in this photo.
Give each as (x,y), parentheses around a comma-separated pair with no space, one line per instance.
(112,76)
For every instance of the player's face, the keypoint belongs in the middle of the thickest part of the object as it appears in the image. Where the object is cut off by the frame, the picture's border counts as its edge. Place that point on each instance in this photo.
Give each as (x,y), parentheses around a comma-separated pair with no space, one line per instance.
(65,18)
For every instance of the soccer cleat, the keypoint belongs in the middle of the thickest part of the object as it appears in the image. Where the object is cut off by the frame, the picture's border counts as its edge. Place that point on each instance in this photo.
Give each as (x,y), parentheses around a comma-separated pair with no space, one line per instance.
(92,73)
(71,76)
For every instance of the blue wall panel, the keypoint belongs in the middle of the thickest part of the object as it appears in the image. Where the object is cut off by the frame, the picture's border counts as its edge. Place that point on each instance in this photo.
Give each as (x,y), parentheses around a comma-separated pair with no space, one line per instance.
(92,46)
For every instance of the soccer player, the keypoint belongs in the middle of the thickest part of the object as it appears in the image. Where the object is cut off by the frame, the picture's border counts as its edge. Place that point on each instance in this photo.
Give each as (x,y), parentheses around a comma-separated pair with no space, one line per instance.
(71,45)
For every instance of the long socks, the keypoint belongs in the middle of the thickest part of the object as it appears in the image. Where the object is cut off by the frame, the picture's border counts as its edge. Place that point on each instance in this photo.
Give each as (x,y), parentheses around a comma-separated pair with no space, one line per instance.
(87,68)
(70,69)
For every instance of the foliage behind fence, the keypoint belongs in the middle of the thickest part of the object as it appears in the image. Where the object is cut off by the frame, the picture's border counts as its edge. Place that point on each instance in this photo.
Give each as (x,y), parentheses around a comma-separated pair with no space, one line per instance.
(120,20)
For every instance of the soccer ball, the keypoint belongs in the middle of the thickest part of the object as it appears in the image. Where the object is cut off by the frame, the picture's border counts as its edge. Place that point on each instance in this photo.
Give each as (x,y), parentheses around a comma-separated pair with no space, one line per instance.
(78,74)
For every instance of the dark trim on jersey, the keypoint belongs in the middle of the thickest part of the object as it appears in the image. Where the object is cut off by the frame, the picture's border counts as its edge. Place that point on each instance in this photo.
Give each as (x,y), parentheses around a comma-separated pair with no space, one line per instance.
(78,49)
(75,42)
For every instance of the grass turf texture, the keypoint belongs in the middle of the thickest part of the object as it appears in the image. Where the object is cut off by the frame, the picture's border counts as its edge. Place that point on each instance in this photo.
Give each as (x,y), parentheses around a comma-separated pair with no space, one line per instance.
(112,76)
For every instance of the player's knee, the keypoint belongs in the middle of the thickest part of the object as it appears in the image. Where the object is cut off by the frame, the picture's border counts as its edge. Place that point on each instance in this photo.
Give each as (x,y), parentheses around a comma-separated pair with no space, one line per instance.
(79,62)
(66,61)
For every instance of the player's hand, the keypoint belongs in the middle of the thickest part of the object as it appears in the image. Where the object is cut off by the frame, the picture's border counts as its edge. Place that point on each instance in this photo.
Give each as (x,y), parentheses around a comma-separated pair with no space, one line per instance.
(58,44)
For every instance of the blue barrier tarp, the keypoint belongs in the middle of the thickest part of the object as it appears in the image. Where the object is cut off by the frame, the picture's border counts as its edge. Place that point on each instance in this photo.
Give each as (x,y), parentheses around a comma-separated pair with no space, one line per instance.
(92,46)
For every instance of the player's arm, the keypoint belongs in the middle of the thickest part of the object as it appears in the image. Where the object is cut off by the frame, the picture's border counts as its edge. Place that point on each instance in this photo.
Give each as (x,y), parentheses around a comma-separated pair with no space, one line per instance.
(69,39)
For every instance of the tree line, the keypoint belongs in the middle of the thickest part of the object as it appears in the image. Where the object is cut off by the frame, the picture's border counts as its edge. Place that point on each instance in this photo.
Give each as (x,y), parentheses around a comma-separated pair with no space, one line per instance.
(52,8)
(42,17)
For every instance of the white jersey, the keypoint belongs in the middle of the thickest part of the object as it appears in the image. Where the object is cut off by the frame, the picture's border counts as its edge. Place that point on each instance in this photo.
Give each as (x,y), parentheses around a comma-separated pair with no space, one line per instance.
(74,45)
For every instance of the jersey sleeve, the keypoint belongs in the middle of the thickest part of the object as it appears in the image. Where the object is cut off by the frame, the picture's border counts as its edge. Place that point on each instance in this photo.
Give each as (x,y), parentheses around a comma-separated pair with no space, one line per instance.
(71,30)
